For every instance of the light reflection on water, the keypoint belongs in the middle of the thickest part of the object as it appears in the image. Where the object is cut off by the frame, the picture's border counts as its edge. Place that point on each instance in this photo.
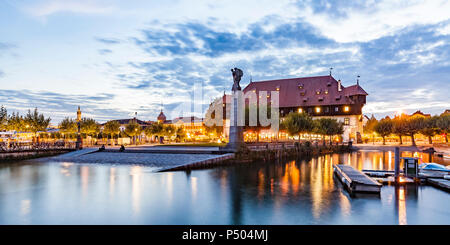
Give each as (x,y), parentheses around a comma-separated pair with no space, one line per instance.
(287,192)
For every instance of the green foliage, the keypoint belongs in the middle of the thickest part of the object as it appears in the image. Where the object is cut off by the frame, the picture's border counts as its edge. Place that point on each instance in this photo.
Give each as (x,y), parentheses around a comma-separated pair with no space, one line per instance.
(133,129)
(89,126)
(180,134)
(3,118)
(111,128)
(430,128)
(168,130)
(370,125)
(328,126)
(16,122)
(68,126)
(384,128)
(399,126)
(154,129)
(298,123)
(36,121)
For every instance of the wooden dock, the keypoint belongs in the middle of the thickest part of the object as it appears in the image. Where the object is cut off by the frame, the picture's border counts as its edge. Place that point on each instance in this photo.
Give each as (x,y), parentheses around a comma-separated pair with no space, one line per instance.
(440,183)
(356,181)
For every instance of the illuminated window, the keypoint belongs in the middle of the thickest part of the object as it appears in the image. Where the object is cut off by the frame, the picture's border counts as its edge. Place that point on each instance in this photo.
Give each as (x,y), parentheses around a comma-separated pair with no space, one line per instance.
(300,110)
(336,109)
(317,109)
(326,91)
(278,88)
(346,121)
(346,108)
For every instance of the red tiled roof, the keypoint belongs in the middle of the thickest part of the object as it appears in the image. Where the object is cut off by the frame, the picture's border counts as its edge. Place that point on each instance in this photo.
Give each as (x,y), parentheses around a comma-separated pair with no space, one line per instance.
(303,91)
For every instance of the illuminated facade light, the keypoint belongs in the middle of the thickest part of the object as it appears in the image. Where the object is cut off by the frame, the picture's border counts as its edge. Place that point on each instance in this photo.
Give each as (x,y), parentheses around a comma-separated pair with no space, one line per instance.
(317,109)
(346,108)
(300,110)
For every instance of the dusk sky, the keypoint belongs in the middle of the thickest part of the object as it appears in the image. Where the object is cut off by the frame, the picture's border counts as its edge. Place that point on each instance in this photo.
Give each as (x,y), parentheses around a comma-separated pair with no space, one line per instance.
(114,58)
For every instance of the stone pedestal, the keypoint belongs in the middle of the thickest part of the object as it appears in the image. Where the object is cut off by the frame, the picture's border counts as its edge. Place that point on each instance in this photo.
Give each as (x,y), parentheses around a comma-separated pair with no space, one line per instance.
(236,130)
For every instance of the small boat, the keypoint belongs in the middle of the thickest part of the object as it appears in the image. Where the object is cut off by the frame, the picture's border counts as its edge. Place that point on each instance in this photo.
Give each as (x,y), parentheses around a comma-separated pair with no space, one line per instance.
(433,170)
(434,166)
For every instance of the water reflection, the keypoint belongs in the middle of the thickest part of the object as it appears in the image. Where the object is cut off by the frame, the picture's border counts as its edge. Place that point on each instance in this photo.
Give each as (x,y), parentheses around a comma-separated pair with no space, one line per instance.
(302,191)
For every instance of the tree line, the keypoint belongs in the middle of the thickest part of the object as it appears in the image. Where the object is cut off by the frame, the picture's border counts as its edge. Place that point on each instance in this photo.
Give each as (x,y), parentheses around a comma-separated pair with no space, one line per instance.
(36,122)
(297,123)
(410,126)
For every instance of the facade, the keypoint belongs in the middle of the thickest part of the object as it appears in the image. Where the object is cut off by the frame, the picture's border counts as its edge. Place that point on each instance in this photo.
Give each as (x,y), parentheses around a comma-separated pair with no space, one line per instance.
(193,126)
(320,96)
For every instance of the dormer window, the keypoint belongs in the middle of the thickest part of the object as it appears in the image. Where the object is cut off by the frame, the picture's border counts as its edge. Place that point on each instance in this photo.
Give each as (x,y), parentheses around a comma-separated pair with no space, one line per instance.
(318,91)
(338,97)
(329,84)
(326,91)
(278,88)
(305,99)
(320,98)
(300,85)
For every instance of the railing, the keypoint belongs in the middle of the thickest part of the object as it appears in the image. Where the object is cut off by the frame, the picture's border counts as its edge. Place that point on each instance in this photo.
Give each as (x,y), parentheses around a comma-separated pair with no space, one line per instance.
(289,145)
(23,147)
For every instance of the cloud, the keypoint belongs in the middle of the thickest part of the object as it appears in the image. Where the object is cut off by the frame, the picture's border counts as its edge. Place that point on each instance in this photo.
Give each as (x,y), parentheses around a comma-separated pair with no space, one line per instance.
(59,105)
(104,51)
(107,40)
(362,21)
(42,8)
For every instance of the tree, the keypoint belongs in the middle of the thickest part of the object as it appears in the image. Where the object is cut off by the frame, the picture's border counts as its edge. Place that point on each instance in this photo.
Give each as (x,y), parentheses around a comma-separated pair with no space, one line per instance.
(168,130)
(111,128)
(180,134)
(430,128)
(68,126)
(443,123)
(154,129)
(3,118)
(384,128)
(329,127)
(369,127)
(133,129)
(399,126)
(89,126)
(16,122)
(413,125)
(36,122)
(298,123)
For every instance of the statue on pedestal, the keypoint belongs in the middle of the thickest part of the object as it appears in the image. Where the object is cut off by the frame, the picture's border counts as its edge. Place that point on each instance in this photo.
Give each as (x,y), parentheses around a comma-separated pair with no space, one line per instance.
(236,131)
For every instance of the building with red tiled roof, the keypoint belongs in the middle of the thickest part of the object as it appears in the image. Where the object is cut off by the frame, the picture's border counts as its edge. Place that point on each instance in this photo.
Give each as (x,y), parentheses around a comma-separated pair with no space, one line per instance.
(319,96)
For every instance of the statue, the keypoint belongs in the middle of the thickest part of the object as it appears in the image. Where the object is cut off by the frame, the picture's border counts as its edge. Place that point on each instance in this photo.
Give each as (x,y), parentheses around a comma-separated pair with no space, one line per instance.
(237,74)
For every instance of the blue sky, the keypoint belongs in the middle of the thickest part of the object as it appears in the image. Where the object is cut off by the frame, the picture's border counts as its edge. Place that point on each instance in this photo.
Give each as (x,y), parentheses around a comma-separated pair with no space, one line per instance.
(114,58)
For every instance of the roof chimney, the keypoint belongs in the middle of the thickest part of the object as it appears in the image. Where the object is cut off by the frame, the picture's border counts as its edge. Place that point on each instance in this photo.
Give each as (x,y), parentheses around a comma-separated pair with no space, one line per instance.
(339,85)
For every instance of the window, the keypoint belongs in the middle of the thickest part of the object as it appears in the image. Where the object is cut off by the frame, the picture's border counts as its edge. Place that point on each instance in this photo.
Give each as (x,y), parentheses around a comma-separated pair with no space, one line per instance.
(336,109)
(300,85)
(327,109)
(318,91)
(346,108)
(278,88)
(317,109)
(300,110)
(309,110)
(326,91)
(346,121)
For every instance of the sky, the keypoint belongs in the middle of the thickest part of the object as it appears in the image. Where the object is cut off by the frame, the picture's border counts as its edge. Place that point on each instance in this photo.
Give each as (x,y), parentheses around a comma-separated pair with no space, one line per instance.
(114,58)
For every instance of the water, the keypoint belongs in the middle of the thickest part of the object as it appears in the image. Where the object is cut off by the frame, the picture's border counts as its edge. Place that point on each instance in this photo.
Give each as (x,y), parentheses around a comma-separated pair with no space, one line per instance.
(288,192)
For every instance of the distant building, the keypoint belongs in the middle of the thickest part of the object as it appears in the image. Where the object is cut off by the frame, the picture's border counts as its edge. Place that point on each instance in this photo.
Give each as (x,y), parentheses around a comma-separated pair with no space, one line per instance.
(193,126)
(161,117)
(124,122)
(446,112)
(419,113)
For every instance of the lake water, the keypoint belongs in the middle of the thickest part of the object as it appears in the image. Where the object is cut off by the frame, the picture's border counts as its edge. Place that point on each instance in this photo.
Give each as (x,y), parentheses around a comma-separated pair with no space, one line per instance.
(287,192)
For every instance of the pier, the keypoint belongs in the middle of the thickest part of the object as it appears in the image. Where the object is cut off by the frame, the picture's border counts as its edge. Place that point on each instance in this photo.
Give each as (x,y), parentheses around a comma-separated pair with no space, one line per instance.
(356,181)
